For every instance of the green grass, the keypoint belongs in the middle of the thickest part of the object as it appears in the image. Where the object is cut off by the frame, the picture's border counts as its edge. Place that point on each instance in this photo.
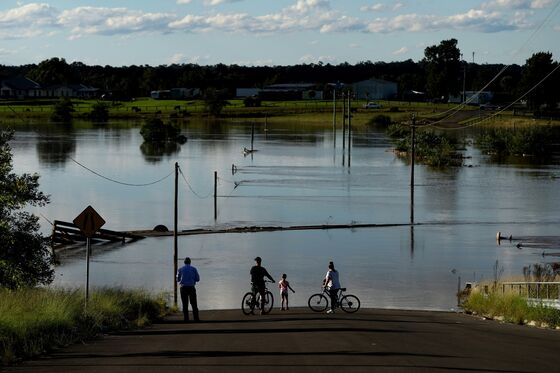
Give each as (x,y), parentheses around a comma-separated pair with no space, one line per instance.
(34,321)
(511,308)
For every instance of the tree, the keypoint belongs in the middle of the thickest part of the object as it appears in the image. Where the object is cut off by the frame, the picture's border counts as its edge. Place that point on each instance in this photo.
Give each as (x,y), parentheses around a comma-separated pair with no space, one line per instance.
(443,69)
(25,259)
(215,101)
(52,71)
(537,67)
(62,111)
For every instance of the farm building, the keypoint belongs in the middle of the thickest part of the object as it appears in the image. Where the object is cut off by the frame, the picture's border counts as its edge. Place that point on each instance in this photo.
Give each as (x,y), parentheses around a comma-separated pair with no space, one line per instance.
(375,89)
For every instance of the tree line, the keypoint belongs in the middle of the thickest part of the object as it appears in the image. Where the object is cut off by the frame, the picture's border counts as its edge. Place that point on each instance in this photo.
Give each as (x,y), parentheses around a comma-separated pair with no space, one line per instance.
(442,72)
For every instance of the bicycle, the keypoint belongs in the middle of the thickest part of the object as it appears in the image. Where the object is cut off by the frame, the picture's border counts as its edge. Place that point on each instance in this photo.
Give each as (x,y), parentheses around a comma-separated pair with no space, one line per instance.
(252,300)
(320,301)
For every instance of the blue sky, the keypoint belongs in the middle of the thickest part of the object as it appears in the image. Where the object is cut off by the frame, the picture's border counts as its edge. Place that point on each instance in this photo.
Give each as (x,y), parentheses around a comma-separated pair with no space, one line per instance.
(273,32)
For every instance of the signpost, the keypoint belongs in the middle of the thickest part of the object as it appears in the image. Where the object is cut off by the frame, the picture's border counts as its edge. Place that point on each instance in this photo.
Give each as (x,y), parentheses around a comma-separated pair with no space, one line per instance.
(89,222)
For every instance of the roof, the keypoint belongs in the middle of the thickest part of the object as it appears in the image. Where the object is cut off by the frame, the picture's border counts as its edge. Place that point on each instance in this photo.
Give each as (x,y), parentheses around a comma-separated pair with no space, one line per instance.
(21,82)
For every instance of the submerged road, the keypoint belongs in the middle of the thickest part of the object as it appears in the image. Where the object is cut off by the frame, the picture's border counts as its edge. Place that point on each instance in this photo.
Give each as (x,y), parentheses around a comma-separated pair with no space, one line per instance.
(301,341)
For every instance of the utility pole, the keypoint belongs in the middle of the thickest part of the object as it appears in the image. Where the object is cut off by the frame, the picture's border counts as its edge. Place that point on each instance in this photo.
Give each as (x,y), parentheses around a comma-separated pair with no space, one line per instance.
(334,118)
(412,158)
(349,129)
(343,128)
(215,195)
(175,259)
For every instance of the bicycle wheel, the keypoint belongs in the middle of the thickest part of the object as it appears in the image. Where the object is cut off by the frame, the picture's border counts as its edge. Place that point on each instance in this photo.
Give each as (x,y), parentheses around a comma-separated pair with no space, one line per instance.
(268,302)
(350,303)
(318,302)
(248,303)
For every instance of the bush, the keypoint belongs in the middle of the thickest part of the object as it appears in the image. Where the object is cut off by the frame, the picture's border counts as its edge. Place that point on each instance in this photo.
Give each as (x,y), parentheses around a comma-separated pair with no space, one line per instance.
(537,141)
(252,102)
(99,112)
(33,321)
(62,111)
(154,130)
(380,121)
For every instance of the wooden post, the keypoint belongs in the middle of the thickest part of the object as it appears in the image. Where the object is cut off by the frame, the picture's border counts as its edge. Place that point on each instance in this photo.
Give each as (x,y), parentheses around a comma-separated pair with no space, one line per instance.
(252,135)
(88,252)
(412,158)
(349,128)
(343,128)
(175,259)
(334,118)
(215,195)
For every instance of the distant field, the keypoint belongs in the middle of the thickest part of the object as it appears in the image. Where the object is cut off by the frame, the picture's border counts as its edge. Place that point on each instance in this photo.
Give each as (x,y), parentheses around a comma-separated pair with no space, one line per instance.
(310,111)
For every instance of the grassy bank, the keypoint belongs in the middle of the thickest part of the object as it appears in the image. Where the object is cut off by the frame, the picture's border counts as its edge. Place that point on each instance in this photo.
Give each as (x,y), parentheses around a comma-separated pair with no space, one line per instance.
(34,321)
(511,308)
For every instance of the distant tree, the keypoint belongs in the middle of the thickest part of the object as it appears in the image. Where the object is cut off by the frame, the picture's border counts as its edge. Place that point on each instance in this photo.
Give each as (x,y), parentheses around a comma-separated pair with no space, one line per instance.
(52,71)
(99,112)
(62,111)
(443,69)
(214,101)
(154,130)
(25,259)
(537,67)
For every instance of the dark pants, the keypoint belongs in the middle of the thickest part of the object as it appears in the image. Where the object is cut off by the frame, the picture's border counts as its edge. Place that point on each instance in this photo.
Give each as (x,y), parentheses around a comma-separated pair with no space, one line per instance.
(261,289)
(334,298)
(188,294)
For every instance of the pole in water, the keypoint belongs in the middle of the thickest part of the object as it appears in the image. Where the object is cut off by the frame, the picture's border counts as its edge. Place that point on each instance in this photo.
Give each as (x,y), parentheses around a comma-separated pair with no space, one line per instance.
(175,235)
(215,195)
(349,128)
(88,252)
(412,157)
(334,118)
(343,128)
(252,135)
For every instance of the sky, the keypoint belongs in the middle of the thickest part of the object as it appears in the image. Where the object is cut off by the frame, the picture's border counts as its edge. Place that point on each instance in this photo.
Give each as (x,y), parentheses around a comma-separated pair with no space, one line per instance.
(273,32)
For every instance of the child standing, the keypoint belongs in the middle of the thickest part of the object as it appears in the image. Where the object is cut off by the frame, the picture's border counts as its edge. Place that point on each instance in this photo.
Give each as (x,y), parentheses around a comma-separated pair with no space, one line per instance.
(284,285)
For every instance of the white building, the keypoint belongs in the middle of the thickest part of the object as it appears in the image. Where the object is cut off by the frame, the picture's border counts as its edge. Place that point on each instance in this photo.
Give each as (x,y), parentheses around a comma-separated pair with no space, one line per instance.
(375,89)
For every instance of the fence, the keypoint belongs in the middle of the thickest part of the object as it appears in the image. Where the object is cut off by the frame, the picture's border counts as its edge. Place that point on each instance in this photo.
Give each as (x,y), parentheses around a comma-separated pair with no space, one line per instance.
(537,293)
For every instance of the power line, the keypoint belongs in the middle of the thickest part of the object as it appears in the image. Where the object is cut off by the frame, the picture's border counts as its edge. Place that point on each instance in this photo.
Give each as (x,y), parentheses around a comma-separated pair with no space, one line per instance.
(191,188)
(120,182)
(457,108)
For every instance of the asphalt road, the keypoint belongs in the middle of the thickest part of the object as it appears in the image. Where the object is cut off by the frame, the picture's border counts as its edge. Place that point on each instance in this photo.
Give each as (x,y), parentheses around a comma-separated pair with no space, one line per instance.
(301,341)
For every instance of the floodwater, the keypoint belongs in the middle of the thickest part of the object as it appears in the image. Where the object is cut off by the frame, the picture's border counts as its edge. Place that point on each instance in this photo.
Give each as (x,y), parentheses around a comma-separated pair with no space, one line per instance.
(298,176)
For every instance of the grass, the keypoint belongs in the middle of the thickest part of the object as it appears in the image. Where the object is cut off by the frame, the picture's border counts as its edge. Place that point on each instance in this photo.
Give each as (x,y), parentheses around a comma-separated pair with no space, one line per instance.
(34,321)
(511,308)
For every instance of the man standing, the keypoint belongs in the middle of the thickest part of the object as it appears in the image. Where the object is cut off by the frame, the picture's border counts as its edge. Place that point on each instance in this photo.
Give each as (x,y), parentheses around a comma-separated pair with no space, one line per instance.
(187,277)
(258,274)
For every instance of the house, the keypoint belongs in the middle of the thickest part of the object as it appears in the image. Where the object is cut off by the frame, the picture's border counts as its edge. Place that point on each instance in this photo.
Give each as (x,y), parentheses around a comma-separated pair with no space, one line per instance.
(19,87)
(291,91)
(247,92)
(375,89)
(182,93)
(472,97)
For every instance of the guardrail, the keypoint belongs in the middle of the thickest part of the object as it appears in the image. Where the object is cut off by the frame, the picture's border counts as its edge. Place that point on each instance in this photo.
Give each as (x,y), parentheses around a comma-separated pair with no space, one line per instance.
(537,293)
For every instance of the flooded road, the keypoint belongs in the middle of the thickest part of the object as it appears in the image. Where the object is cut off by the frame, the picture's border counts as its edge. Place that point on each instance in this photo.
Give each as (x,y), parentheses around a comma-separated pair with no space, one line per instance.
(296,177)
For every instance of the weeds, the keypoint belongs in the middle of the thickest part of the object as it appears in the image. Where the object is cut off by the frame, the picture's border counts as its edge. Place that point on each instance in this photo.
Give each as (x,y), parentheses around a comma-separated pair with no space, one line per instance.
(511,308)
(33,321)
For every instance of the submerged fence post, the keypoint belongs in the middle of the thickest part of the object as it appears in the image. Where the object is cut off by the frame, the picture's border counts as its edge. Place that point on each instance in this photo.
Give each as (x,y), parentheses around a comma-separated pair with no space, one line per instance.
(175,235)
(412,156)
(215,195)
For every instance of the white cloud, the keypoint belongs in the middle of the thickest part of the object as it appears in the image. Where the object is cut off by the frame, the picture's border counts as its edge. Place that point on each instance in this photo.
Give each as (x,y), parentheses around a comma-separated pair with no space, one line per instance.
(306,6)
(217,2)
(181,2)
(177,58)
(28,16)
(111,21)
(400,51)
(475,20)
(309,59)
(398,6)
(373,8)
(517,4)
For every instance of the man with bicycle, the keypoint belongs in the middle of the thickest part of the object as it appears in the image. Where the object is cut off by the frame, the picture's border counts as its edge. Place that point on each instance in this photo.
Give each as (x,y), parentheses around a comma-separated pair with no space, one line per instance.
(332,283)
(258,273)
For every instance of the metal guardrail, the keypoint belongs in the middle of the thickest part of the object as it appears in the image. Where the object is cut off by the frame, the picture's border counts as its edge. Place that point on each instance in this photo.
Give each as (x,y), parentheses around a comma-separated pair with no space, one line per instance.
(537,293)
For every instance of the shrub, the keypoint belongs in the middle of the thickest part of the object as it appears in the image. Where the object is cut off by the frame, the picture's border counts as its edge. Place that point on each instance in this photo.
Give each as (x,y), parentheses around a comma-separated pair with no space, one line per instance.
(99,112)
(62,111)
(381,121)
(154,130)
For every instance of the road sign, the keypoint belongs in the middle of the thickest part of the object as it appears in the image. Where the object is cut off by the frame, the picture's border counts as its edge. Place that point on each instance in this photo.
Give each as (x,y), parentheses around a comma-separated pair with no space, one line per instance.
(89,221)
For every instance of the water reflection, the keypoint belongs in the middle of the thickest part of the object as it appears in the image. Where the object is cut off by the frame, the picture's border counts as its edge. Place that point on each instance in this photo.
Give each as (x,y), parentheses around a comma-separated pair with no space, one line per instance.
(155,152)
(55,146)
